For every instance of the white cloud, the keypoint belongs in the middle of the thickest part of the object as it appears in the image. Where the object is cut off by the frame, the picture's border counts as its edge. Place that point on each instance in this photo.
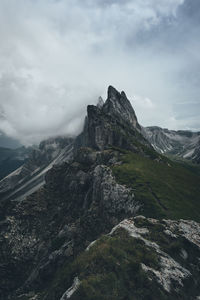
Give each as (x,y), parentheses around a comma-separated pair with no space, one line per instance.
(58,56)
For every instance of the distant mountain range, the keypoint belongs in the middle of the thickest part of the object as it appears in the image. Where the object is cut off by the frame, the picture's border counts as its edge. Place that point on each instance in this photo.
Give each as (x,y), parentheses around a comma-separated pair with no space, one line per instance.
(106,215)
(180,144)
(11,159)
(33,163)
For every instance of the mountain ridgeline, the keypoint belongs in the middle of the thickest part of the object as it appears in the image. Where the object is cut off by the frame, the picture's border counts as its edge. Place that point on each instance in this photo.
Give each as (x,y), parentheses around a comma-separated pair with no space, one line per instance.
(101,216)
(178,144)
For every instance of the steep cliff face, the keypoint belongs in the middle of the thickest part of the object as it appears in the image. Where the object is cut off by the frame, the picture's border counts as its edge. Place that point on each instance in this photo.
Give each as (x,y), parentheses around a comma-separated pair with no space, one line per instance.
(112,124)
(118,105)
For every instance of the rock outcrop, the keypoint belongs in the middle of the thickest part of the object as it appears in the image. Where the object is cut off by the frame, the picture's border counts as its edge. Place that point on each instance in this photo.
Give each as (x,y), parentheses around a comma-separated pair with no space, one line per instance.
(79,201)
(165,253)
(112,124)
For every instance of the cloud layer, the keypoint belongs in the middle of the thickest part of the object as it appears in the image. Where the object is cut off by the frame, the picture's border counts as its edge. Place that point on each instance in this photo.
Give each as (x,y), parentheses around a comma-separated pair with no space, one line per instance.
(58,56)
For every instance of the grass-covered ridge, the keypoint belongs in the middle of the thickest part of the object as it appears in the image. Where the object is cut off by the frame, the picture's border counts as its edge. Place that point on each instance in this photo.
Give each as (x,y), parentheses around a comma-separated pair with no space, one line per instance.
(111,269)
(165,188)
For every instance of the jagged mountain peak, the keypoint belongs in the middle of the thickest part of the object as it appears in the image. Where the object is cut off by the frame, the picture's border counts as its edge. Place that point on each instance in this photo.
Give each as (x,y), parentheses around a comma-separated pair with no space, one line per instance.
(112,92)
(112,123)
(117,103)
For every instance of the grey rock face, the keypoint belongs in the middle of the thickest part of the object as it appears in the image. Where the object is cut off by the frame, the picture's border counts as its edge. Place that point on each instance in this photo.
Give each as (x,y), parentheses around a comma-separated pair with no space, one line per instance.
(181,144)
(118,104)
(112,196)
(176,276)
(79,201)
(113,124)
(170,270)
(71,290)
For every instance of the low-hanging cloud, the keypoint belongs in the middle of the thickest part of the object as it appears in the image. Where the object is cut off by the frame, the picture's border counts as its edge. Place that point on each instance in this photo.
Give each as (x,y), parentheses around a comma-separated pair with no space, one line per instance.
(58,56)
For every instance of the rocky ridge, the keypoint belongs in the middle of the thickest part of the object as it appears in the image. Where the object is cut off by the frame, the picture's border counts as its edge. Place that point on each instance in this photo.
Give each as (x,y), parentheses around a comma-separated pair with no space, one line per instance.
(79,200)
(173,265)
(45,233)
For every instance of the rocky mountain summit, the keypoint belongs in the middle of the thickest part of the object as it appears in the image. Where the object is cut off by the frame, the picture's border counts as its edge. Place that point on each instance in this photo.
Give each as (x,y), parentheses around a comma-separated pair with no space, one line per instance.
(113,123)
(68,225)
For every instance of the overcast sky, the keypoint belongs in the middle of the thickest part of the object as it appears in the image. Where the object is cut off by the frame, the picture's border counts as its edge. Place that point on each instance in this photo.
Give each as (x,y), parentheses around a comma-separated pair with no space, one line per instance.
(57,56)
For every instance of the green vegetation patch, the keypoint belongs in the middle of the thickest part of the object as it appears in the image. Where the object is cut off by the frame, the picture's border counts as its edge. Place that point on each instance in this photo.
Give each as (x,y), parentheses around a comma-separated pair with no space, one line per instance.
(163,187)
(111,269)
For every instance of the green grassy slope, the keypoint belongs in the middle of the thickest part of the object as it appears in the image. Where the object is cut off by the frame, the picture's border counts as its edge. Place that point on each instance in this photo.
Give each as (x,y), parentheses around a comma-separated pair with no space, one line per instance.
(165,188)
(111,269)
